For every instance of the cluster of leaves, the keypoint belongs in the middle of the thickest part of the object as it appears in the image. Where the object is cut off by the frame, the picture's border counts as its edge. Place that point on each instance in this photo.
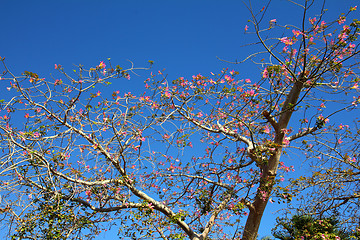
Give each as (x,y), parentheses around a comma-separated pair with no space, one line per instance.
(53,219)
(306,227)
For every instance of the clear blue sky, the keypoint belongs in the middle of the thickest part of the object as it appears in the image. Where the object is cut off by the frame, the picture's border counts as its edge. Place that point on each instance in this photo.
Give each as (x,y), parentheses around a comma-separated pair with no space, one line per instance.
(184,37)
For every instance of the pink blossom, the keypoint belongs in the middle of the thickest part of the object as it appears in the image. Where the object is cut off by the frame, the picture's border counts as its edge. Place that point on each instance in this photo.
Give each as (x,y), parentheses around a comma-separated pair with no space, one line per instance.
(36,134)
(154,105)
(102,65)
(266,129)
(57,82)
(339,141)
(296,32)
(167,94)
(273,21)
(342,37)
(356,86)
(250,92)
(286,40)
(286,141)
(341,126)
(246,27)
(321,118)
(341,20)
(263,195)
(312,20)
(265,73)
(293,52)
(323,24)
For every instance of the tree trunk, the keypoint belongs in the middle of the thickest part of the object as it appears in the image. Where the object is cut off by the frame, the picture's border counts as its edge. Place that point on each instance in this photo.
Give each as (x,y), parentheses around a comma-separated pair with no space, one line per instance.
(257,208)
(267,179)
(254,219)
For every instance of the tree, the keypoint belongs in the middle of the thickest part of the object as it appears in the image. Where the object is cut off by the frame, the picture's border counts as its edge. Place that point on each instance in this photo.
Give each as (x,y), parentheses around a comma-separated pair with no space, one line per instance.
(80,159)
(307,227)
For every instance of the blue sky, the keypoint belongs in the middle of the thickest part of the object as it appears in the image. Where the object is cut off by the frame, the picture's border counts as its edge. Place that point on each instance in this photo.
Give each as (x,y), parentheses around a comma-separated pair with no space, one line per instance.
(183,37)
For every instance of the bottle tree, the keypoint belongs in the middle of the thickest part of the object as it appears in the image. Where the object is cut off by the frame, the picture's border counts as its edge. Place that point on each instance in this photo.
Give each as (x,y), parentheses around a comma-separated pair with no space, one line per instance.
(195,158)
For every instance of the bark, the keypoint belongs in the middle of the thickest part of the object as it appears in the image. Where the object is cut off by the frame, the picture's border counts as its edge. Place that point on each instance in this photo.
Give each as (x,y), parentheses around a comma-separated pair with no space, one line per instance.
(258,207)
(267,179)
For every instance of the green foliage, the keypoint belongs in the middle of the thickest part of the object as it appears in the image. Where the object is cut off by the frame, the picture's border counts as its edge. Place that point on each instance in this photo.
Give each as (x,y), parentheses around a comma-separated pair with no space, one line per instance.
(52,219)
(309,228)
(31,74)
